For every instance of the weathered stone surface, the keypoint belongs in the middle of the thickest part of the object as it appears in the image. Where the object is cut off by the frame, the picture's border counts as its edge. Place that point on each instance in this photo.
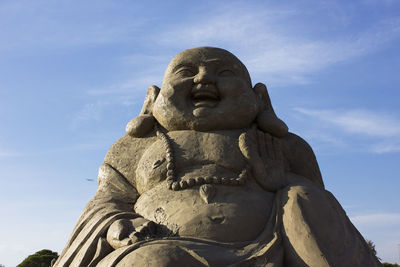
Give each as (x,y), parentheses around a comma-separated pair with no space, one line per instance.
(208,175)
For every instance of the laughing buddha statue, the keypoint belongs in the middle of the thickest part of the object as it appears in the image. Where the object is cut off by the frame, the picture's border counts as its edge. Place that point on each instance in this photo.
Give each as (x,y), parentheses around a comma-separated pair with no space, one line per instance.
(208,175)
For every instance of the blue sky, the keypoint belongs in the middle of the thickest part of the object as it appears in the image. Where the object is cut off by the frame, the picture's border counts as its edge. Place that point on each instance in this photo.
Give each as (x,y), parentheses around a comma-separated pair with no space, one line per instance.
(73,73)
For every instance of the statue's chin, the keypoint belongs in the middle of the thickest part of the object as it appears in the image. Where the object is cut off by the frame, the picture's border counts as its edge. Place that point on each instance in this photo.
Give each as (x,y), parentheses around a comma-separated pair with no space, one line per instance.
(202,112)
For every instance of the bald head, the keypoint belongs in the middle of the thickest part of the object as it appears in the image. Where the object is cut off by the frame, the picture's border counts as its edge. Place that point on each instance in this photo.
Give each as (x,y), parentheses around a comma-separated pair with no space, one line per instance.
(204,54)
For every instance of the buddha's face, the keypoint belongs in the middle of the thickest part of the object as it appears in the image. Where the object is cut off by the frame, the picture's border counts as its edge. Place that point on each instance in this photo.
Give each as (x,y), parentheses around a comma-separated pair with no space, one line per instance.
(206,89)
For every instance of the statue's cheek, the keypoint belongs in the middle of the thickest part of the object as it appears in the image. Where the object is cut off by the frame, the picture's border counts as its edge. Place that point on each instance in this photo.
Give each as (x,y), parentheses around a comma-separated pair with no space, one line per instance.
(232,87)
(178,87)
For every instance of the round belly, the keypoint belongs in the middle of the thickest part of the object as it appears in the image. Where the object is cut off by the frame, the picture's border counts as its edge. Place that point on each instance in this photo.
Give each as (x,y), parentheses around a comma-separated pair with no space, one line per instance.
(231,214)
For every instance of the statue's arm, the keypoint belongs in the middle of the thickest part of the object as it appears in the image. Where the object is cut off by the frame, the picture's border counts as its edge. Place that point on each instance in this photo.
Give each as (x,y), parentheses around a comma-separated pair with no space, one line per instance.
(301,159)
(109,217)
(115,189)
(113,201)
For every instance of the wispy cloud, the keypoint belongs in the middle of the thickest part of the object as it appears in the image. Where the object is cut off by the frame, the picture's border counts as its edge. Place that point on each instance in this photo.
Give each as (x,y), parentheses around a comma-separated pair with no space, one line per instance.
(387,240)
(377,219)
(270,46)
(9,154)
(386,147)
(96,142)
(96,113)
(358,121)
(380,2)
(126,94)
(381,129)
(138,83)
(91,111)
(65,24)
(264,35)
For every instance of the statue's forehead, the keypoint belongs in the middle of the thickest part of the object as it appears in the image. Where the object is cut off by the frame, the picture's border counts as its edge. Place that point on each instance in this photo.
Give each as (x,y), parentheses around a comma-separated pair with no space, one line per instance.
(203,57)
(208,56)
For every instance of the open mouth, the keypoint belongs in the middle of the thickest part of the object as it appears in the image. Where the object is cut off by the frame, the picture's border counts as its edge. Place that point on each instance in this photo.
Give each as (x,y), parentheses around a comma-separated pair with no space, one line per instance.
(205,98)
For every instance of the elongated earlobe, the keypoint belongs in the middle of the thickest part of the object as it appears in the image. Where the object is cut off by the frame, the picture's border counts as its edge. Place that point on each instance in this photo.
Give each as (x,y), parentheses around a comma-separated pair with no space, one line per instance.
(266,119)
(268,122)
(144,123)
(140,126)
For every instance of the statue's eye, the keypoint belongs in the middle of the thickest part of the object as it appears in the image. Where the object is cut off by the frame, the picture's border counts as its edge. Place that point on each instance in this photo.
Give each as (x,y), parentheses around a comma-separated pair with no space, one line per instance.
(226,72)
(186,72)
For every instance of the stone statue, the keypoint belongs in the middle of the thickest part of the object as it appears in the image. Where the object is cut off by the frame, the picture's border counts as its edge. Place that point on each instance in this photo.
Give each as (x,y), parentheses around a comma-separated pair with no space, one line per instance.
(208,175)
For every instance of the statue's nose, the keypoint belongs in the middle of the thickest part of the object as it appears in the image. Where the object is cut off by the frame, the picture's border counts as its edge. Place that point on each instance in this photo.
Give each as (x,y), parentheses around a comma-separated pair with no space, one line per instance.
(204,77)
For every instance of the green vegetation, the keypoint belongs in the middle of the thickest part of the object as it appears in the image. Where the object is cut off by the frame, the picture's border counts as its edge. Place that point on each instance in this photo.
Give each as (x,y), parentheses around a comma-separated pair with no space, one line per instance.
(386,264)
(371,246)
(41,258)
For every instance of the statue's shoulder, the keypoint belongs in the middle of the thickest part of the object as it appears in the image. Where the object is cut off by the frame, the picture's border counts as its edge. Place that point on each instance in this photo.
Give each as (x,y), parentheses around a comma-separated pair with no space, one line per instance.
(126,152)
(296,144)
(301,158)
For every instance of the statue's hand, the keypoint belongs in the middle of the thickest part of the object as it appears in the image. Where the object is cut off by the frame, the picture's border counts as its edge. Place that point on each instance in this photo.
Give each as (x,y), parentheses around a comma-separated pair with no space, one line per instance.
(125,232)
(265,156)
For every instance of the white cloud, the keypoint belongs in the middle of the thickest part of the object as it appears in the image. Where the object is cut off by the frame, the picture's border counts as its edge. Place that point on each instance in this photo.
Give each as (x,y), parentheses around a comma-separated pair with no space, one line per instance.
(43,24)
(139,83)
(326,138)
(386,147)
(270,46)
(8,154)
(380,2)
(91,111)
(337,126)
(383,230)
(265,36)
(358,121)
(377,219)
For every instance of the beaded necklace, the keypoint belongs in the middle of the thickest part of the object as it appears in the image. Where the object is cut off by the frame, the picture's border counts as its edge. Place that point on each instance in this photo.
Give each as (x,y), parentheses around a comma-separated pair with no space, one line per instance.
(174,184)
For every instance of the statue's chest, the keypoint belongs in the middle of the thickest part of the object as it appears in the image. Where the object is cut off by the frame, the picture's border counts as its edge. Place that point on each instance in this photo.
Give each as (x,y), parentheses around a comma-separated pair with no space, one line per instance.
(194,153)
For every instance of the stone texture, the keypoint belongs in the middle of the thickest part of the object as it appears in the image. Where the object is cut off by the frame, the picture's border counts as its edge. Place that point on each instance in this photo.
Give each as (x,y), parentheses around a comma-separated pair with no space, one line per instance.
(208,175)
